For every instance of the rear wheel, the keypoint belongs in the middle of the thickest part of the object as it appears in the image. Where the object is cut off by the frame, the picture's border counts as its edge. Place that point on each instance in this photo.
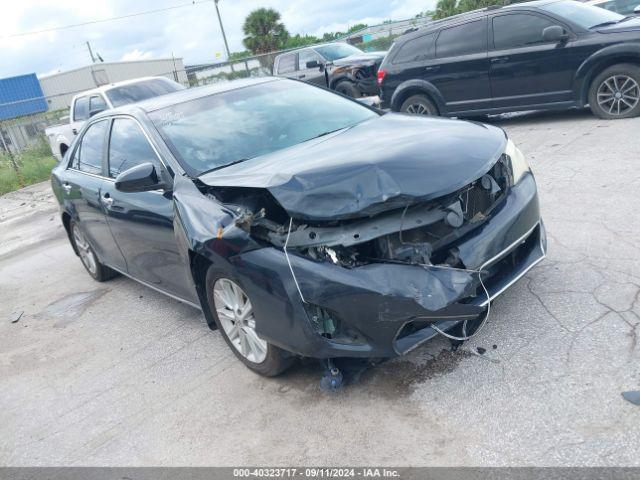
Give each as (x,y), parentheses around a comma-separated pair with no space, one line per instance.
(419,105)
(615,93)
(234,315)
(348,88)
(88,257)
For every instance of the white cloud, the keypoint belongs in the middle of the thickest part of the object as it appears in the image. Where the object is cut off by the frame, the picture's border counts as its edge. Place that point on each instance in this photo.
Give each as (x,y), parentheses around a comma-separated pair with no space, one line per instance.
(136,55)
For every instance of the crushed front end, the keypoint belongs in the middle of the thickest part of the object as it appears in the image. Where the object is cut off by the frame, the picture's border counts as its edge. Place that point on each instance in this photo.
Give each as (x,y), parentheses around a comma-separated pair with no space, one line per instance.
(375,286)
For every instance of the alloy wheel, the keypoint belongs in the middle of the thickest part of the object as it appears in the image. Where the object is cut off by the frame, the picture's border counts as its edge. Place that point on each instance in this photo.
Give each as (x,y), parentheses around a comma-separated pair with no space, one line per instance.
(87,256)
(418,109)
(237,319)
(618,94)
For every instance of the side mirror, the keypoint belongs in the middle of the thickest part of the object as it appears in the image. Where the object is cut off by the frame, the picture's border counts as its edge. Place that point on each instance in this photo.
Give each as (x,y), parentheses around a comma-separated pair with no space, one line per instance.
(555,33)
(141,178)
(313,64)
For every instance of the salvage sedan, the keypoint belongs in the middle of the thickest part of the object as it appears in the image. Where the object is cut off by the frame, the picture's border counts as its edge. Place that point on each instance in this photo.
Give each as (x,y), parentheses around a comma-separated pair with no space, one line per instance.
(301,222)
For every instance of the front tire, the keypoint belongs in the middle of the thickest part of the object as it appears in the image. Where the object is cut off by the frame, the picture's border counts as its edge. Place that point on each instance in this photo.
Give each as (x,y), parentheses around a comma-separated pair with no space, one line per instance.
(88,257)
(615,93)
(348,88)
(419,104)
(233,313)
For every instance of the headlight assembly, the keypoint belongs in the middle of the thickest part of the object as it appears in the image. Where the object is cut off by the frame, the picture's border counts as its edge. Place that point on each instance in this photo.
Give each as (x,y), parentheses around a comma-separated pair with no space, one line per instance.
(519,164)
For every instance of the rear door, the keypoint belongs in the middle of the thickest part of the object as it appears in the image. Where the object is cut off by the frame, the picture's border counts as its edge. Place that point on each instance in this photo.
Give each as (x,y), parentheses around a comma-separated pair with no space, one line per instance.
(82,184)
(313,75)
(526,70)
(460,70)
(142,222)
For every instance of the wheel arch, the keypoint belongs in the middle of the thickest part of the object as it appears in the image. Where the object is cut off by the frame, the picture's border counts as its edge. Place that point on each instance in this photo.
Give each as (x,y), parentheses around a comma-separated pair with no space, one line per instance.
(598,62)
(339,78)
(66,223)
(199,267)
(413,87)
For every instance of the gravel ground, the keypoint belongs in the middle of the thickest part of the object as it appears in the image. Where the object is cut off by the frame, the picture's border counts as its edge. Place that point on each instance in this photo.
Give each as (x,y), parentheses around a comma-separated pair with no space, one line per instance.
(116,374)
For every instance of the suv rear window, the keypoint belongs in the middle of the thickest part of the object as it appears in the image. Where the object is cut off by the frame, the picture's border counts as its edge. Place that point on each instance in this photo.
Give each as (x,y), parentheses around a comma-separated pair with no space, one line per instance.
(287,63)
(416,49)
(463,39)
(518,30)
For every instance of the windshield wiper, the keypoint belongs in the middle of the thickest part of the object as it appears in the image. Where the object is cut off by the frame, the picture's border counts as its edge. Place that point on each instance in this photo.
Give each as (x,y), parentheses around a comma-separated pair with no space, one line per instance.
(224,166)
(330,131)
(604,24)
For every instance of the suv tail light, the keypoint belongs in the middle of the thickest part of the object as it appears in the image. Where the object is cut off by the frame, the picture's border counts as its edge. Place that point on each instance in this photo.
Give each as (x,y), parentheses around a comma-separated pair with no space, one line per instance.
(381,74)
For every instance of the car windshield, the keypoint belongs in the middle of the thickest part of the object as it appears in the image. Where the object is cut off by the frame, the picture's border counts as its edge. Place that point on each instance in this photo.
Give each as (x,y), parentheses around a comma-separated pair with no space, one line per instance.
(586,16)
(224,128)
(337,51)
(136,92)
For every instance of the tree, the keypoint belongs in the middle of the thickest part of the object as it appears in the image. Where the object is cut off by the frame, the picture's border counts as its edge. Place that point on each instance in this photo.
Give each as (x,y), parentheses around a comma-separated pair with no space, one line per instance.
(264,32)
(356,27)
(445,8)
(298,40)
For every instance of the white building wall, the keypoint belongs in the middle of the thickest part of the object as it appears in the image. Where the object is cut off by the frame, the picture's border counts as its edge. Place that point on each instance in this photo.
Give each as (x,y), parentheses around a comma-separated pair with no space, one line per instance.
(59,88)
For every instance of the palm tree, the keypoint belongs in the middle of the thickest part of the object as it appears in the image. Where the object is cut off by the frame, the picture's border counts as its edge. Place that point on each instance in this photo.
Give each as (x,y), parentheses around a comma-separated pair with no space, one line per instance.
(445,8)
(264,32)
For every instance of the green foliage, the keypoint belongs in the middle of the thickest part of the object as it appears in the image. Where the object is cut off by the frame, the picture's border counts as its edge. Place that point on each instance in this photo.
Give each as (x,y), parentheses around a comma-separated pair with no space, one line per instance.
(447,8)
(34,166)
(301,41)
(357,27)
(264,32)
(239,55)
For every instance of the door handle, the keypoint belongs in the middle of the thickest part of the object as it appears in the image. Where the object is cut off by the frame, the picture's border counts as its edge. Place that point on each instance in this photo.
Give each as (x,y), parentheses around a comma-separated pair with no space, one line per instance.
(75,131)
(107,200)
(432,68)
(500,60)
(66,187)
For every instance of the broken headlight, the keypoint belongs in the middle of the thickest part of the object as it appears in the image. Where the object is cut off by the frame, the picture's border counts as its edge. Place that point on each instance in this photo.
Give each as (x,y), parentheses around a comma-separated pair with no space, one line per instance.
(519,164)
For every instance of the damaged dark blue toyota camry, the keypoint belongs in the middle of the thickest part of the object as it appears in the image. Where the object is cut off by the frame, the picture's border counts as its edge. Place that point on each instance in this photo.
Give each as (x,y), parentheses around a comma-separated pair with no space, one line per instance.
(303,223)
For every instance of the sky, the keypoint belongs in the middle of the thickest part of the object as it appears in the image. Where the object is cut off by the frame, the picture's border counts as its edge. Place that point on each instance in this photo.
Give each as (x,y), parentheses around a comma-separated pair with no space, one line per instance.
(190,32)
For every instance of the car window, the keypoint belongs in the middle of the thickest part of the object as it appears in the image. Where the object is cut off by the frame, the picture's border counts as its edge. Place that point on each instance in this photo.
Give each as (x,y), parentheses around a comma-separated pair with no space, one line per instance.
(416,49)
(88,155)
(463,39)
(305,56)
(136,92)
(518,30)
(218,129)
(128,147)
(97,104)
(624,7)
(81,109)
(287,63)
(337,51)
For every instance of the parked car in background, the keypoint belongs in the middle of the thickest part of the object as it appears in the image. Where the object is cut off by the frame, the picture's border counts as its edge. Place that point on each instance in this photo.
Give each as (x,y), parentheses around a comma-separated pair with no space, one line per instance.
(544,54)
(255,201)
(91,102)
(338,66)
(623,7)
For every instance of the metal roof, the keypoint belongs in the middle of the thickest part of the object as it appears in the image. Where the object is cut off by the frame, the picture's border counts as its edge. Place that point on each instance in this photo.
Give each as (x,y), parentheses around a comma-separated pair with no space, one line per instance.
(20,96)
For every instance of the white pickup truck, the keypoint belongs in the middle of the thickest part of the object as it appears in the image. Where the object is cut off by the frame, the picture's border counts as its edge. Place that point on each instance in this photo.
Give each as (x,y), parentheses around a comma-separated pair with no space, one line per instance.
(87,104)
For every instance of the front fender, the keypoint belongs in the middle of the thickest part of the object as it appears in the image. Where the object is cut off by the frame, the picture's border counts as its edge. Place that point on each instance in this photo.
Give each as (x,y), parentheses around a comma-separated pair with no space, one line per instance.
(619,53)
(417,85)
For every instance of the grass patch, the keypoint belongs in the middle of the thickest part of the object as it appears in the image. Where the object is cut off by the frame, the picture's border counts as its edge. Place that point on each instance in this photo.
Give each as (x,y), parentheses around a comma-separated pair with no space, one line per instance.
(34,165)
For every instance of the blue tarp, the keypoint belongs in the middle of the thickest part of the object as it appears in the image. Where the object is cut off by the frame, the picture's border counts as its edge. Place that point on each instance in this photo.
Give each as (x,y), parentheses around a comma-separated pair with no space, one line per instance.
(21,96)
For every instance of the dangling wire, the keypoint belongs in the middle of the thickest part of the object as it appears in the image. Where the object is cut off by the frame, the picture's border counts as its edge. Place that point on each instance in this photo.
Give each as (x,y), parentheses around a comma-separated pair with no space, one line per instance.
(286,254)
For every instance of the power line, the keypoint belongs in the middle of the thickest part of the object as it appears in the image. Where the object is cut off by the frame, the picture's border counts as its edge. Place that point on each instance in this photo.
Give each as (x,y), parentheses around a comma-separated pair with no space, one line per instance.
(105,20)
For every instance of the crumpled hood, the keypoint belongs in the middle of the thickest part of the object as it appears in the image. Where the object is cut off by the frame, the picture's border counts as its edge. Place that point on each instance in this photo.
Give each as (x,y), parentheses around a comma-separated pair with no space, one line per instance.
(360,58)
(377,165)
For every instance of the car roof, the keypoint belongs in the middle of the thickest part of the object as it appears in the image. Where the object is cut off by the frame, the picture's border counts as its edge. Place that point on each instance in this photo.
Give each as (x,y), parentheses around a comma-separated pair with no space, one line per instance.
(181,96)
(474,14)
(110,86)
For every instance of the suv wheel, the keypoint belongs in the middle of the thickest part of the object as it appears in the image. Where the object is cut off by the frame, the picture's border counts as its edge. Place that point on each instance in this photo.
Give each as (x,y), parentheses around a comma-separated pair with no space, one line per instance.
(234,315)
(419,105)
(615,93)
(348,88)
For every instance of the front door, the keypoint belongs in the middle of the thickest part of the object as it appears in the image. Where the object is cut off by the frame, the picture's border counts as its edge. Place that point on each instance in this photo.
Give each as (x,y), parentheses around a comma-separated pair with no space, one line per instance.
(314,75)
(142,222)
(526,70)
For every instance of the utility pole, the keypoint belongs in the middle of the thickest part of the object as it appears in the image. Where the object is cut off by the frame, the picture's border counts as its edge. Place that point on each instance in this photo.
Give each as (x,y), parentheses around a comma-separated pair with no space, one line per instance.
(224,37)
(93,59)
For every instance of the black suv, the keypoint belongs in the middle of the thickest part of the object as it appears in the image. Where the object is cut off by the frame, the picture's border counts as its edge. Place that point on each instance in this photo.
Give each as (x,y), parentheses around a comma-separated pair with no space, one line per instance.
(338,66)
(542,54)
